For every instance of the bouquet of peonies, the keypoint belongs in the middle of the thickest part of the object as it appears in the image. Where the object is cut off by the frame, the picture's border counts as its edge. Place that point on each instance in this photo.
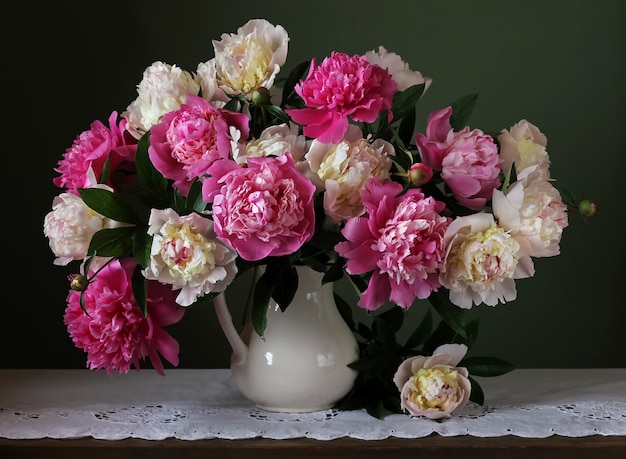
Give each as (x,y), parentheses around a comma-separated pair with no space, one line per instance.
(206,175)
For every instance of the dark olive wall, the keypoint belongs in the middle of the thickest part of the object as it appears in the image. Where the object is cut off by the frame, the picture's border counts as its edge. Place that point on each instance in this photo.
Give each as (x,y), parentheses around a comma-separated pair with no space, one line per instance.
(559,64)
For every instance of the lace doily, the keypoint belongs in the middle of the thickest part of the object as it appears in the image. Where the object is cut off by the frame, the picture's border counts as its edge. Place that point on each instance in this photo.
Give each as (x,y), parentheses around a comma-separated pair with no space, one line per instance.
(205,404)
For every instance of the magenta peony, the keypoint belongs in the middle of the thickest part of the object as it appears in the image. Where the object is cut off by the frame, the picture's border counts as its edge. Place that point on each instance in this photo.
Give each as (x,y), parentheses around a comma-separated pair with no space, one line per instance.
(92,149)
(400,242)
(339,88)
(265,209)
(190,139)
(114,333)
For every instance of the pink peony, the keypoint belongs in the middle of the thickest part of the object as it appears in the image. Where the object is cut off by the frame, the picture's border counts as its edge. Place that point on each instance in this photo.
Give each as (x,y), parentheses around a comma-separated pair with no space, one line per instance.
(468,160)
(400,242)
(265,209)
(339,88)
(115,334)
(91,149)
(190,139)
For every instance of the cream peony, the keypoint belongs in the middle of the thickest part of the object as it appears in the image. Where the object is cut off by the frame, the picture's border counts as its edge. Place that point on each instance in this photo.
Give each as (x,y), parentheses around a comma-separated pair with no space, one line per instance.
(524,145)
(434,386)
(244,61)
(187,255)
(70,226)
(482,262)
(533,210)
(163,88)
(342,170)
(274,141)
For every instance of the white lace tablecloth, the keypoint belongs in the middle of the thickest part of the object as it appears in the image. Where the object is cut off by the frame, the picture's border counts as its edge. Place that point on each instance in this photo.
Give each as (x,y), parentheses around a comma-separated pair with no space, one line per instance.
(205,404)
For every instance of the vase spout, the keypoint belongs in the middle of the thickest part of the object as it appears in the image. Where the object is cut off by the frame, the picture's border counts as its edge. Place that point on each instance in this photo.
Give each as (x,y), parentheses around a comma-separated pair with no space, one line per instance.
(240,349)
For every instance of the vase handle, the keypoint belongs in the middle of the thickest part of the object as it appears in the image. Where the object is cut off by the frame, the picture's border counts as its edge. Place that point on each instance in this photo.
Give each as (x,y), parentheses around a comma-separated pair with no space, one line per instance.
(240,350)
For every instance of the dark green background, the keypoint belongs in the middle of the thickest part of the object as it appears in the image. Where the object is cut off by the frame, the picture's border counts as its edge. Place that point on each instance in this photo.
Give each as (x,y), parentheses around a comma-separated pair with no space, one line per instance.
(559,64)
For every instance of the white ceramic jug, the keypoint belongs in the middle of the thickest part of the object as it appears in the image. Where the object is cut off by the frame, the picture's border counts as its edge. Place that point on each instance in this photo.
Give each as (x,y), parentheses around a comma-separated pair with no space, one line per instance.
(301,364)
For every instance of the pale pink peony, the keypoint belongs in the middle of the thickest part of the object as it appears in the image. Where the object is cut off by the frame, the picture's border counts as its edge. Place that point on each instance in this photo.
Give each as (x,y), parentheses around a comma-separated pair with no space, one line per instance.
(265,209)
(190,139)
(114,333)
(482,261)
(244,61)
(400,242)
(92,149)
(163,88)
(435,386)
(342,87)
(342,170)
(533,210)
(468,160)
(398,69)
(187,255)
(524,145)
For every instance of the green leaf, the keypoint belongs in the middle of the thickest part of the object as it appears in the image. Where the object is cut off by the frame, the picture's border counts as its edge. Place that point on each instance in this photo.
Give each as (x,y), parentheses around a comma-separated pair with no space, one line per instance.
(142,243)
(112,242)
(140,289)
(108,204)
(278,113)
(385,332)
(376,409)
(394,318)
(407,128)
(486,366)
(462,110)
(147,173)
(285,283)
(477,395)
(260,302)
(344,310)
(419,335)
(296,74)
(450,313)
(404,101)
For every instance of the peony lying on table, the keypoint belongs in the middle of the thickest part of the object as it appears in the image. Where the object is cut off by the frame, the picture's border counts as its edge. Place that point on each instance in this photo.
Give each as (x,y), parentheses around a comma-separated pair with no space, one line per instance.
(208,174)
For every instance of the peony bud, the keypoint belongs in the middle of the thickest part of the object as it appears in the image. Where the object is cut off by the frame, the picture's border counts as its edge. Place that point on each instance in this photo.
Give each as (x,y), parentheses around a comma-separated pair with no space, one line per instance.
(261,96)
(420,174)
(587,208)
(79,282)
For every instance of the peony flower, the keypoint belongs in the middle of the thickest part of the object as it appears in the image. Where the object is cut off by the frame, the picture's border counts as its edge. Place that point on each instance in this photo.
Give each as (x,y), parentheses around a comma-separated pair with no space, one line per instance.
(434,386)
(164,88)
(187,255)
(433,146)
(400,242)
(339,88)
(70,225)
(471,168)
(265,209)
(468,160)
(524,145)
(274,141)
(91,150)
(244,61)
(482,262)
(534,211)
(114,333)
(398,69)
(342,170)
(190,139)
